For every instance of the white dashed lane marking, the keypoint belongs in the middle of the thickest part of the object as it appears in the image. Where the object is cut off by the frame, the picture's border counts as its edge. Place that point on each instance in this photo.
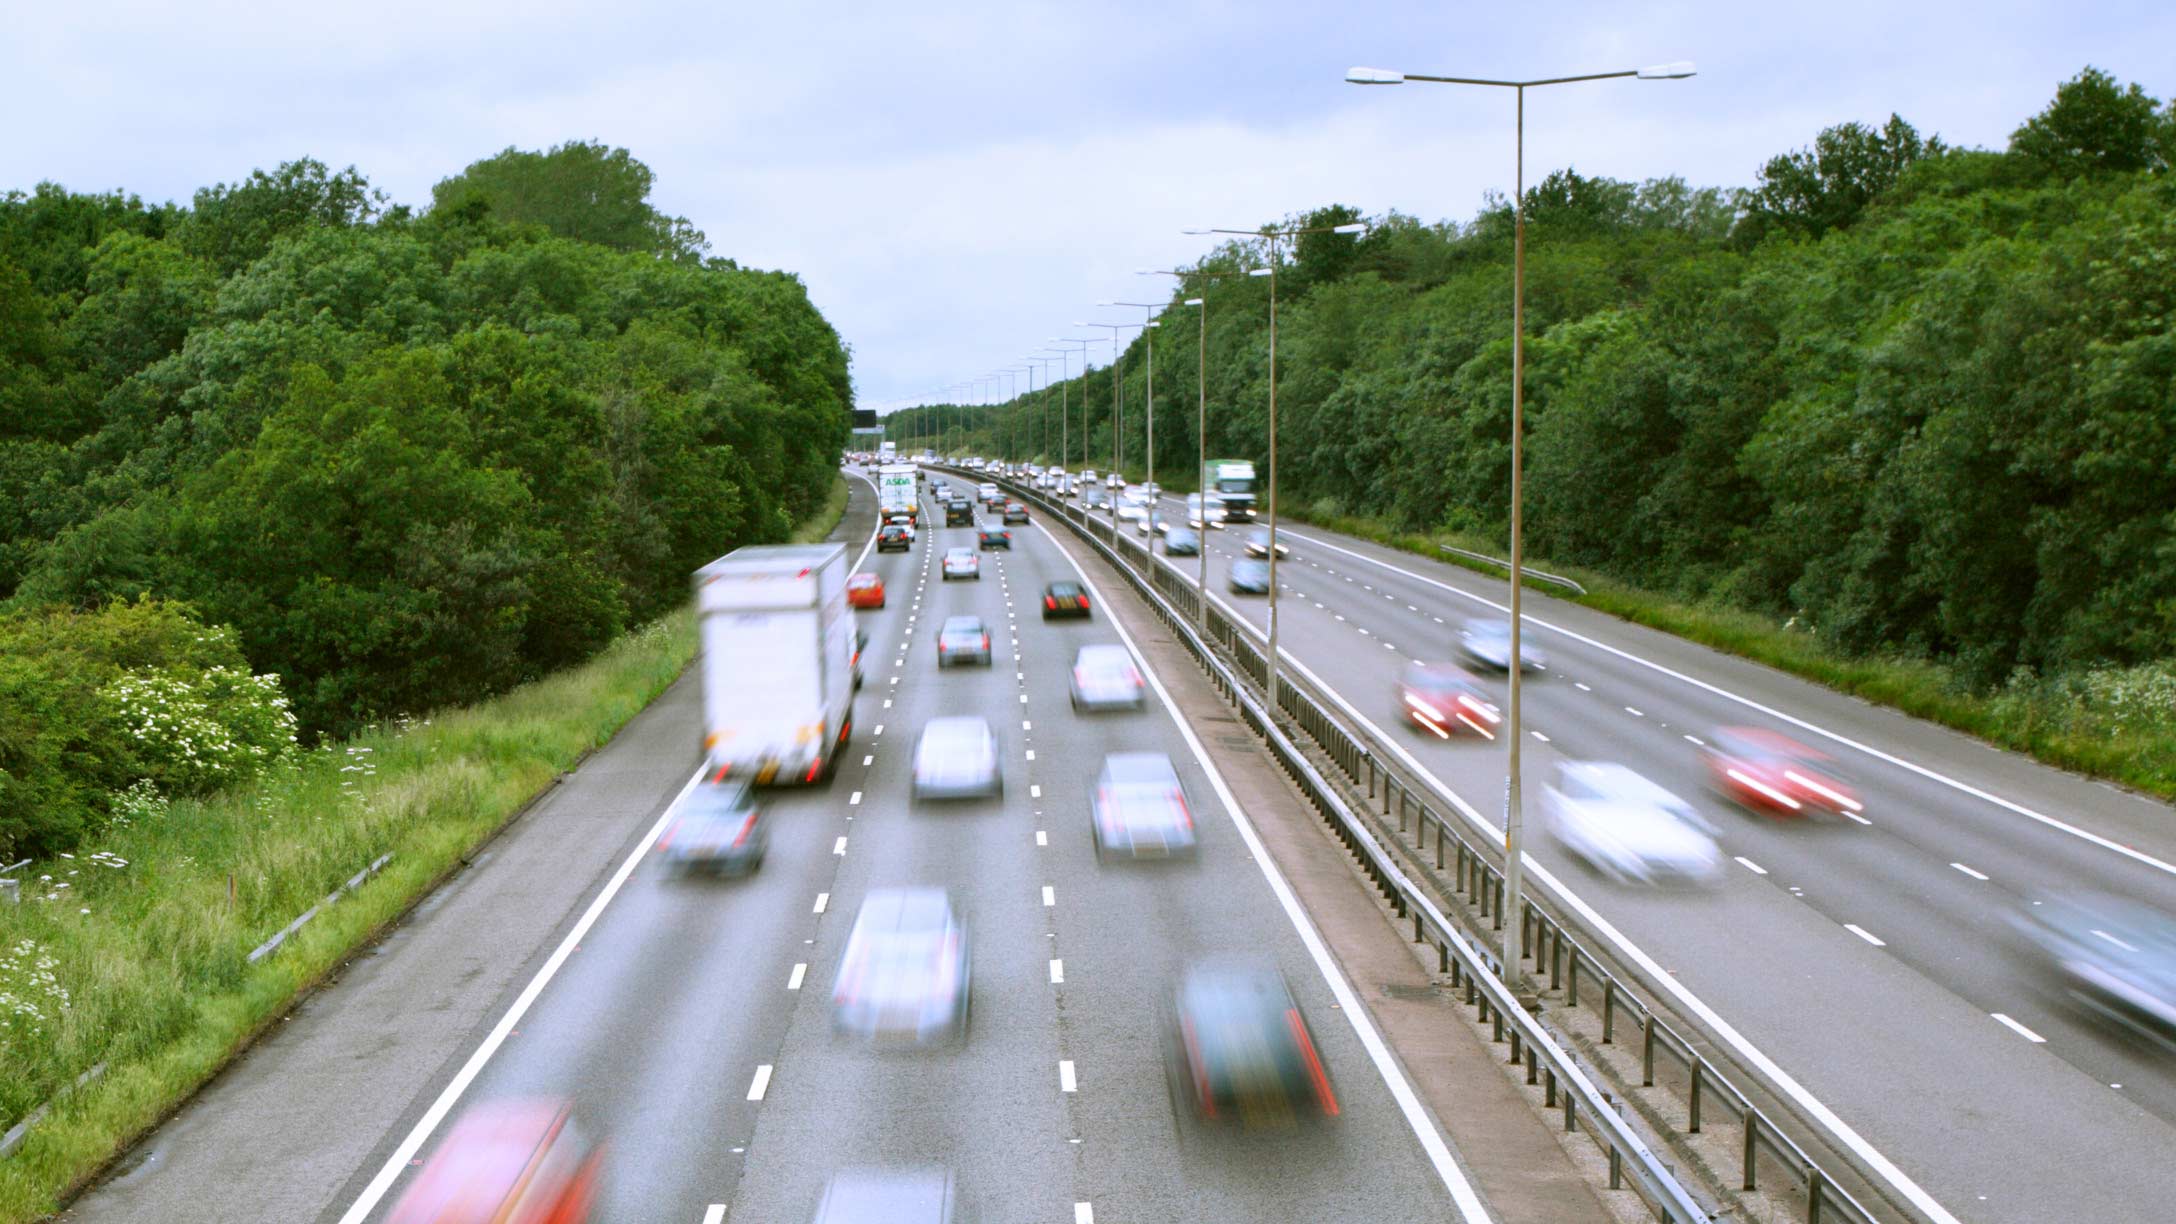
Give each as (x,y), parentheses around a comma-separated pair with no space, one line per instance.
(1066,1080)
(1042,838)
(1864,934)
(1050,896)
(800,971)
(1968,871)
(1752,866)
(822,899)
(1057,971)
(2019,1029)
(761,1084)
(839,846)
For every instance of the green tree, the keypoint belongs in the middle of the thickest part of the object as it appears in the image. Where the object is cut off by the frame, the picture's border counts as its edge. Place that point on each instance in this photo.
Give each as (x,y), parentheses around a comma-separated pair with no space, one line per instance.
(581,190)
(2095,126)
(232,226)
(1812,191)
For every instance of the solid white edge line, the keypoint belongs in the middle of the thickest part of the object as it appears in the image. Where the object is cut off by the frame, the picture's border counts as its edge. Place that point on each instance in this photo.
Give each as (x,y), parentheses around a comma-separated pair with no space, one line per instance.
(1431,1140)
(420,1133)
(1656,974)
(1749,703)
(2020,1029)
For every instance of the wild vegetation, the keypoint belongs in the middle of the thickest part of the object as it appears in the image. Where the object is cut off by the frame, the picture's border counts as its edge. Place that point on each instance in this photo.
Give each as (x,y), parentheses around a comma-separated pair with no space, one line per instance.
(292,450)
(1917,402)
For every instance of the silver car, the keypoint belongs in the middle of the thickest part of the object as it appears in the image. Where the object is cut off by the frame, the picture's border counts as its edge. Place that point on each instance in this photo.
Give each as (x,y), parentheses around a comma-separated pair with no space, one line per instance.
(1104,678)
(1248,576)
(1487,643)
(1140,809)
(888,1196)
(963,639)
(905,974)
(956,758)
(1620,824)
(962,563)
(718,828)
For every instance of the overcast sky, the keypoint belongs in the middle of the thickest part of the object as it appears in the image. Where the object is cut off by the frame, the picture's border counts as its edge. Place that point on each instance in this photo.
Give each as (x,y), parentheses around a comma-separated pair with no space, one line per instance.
(957,181)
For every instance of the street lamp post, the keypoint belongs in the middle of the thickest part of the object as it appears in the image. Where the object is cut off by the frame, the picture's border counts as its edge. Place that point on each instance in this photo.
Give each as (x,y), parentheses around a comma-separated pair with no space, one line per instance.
(1148,334)
(1065,412)
(1118,452)
(1201,441)
(1274,236)
(1514,815)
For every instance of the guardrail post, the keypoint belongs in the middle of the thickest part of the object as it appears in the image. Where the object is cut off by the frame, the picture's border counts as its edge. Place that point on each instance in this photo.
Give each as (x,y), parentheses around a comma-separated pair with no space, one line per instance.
(1616,1168)
(1570,1103)
(1609,1008)
(1517,1055)
(1548,1089)
(1694,1109)
(1498,883)
(1440,832)
(1647,1050)
(1814,1181)
(1752,1132)
(1417,936)
(1533,1065)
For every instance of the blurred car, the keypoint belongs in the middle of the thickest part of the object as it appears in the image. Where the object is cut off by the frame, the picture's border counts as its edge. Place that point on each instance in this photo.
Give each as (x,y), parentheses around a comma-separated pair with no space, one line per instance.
(1258,544)
(1195,517)
(1139,810)
(1627,828)
(1016,512)
(1248,576)
(956,758)
(861,644)
(891,538)
(1065,599)
(717,828)
(1238,1053)
(1181,542)
(1104,678)
(1093,498)
(1114,481)
(905,975)
(2111,954)
(993,537)
(1088,476)
(1771,772)
(962,563)
(1152,523)
(987,494)
(1132,508)
(865,590)
(963,639)
(507,1162)
(959,513)
(888,1196)
(1446,699)
(1486,642)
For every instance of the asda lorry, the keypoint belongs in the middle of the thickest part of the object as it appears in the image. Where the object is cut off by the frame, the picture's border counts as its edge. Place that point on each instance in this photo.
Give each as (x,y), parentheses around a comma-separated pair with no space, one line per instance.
(777,661)
(1232,481)
(895,495)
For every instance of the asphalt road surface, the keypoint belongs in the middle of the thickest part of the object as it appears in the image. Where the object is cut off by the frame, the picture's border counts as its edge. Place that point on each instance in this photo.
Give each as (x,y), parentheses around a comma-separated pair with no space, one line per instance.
(1873,960)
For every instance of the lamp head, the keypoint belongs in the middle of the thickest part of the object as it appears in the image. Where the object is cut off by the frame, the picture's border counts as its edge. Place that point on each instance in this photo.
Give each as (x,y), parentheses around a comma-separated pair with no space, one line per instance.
(1373,76)
(1193,301)
(1677,71)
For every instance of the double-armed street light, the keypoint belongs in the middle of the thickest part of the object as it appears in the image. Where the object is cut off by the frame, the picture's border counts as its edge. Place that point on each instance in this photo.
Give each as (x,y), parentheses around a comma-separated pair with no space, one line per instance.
(1514,815)
(1065,412)
(1201,437)
(1118,370)
(1274,236)
(1148,335)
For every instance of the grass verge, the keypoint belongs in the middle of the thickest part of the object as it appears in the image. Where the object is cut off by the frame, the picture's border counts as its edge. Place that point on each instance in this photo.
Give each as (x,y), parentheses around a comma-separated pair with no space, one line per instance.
(148,936)
(2111,724)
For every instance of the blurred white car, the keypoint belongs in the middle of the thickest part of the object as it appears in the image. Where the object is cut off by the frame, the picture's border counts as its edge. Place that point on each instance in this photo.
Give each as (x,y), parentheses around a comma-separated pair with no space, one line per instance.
(1626,827)
(905,975)
(963,639)
(1140,808)
(1194,515)
(962,563)
(956,758)
(1104,678)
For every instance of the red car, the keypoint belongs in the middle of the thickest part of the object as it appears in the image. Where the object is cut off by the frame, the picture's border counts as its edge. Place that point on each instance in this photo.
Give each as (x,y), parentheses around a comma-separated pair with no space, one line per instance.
(1445,699)
(1769,772)
(507,1162)
(865,591)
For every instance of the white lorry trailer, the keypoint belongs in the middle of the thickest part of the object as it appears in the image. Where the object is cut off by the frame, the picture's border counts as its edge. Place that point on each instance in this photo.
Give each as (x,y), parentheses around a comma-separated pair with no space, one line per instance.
(896,497)
(777,661)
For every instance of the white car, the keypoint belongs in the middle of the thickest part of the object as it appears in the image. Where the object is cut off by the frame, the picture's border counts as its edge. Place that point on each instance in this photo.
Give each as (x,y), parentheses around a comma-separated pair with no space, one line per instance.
(1088,476)
(1139,810)
(905,974)
(1627,828)
(956,758)
(1104,678)
(1195,517)
(962,563)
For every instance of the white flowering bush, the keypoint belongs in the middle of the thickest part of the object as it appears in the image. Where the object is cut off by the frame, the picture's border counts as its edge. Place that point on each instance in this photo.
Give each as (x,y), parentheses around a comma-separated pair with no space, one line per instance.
(2133,698)
(31,998)
(197,731)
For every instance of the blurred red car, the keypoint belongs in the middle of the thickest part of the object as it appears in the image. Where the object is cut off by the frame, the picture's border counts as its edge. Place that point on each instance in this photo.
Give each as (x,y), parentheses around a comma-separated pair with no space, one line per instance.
(1446,699)
(865,591)
(1770,772)
(507,1162)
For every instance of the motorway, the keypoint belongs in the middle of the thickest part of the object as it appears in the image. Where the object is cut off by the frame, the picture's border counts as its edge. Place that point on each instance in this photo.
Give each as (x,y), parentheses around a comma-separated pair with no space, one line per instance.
(1872,960)
(696,1012)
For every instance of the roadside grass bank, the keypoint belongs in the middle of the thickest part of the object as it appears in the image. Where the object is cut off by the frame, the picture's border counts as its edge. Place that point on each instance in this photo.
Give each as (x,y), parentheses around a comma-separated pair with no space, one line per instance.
(134,954)
(2117,724)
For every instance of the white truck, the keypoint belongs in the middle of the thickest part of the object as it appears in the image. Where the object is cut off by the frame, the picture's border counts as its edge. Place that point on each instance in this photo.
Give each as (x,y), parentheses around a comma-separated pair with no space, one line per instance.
(896,498)
(777,659)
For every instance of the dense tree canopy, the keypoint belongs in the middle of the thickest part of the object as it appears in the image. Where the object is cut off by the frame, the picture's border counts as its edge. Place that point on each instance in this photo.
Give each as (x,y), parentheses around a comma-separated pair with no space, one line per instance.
(408,461)
(1921,399)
